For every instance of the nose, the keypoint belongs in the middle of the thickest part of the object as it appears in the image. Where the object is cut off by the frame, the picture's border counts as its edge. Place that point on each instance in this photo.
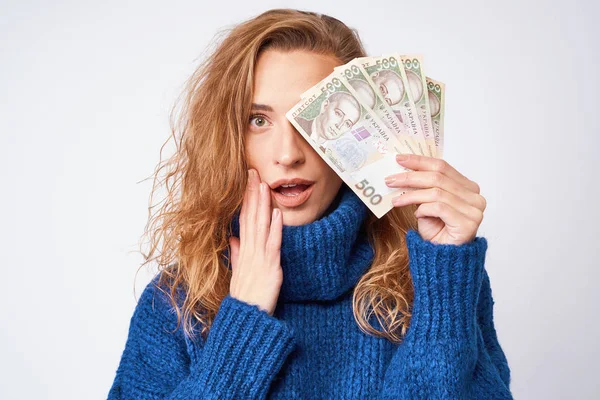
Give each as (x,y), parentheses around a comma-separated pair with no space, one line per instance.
(289,147)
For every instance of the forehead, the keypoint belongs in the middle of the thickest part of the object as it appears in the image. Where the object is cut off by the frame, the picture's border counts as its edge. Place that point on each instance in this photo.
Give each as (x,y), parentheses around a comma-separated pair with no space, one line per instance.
(281,77)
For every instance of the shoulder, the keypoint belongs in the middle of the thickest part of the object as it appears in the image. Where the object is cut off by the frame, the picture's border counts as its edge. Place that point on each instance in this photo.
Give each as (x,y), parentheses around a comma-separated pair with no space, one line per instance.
(156,354)
(154,310)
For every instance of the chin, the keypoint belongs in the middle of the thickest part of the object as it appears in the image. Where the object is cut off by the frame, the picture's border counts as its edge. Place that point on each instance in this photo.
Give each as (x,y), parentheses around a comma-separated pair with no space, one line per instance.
(295,218)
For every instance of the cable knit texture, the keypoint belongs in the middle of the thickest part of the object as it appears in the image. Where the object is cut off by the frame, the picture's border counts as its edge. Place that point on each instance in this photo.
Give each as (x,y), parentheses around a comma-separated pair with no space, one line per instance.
(311,347)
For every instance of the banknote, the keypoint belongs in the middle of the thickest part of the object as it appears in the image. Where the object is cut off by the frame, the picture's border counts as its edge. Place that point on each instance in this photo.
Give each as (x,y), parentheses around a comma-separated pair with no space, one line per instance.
(381,129)
(365,112)
(387,75)
(354,73)
(436,92)
(351,139)
(413,66)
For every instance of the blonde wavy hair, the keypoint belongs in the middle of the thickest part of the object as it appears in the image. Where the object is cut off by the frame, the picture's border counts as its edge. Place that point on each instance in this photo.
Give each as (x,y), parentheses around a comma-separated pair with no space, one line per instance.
(206,177)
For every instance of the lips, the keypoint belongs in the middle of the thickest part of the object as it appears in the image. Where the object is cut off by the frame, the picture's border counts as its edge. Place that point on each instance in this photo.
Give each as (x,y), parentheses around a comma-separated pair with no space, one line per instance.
(292,190)
(292,181)
(292,197)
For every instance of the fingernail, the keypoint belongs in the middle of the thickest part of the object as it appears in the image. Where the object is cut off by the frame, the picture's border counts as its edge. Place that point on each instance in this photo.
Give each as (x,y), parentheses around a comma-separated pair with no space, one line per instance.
(390,179)
(401,157)
(275,213)
(262,187)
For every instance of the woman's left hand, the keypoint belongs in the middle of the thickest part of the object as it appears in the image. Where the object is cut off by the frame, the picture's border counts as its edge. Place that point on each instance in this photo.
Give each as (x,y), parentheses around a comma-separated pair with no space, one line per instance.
(451,208)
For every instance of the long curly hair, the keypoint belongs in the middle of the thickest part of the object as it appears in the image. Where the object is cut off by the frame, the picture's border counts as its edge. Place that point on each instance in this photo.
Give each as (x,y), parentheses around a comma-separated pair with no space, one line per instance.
(205,179)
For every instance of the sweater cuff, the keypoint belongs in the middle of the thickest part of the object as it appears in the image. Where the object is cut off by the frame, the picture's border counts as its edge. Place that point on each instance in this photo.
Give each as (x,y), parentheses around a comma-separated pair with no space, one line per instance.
(446,280)
(244,350)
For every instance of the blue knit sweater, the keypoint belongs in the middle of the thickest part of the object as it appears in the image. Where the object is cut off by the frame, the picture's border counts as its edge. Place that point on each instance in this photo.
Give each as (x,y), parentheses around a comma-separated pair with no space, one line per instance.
(312,348)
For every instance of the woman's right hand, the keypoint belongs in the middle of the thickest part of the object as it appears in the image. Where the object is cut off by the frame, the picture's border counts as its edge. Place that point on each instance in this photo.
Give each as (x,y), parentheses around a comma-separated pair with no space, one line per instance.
(255,256)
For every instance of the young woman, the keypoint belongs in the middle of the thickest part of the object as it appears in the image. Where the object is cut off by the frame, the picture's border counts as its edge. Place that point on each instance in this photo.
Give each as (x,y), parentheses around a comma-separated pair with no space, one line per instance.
(312,299)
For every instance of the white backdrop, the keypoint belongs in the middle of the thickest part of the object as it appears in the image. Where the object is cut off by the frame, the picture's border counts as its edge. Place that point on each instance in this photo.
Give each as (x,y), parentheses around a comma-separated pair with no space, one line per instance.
(85,91)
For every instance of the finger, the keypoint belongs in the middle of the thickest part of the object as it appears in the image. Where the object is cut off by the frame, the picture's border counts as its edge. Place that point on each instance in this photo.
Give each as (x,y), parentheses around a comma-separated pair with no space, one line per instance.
(451,217)
(273,247)
(422,163)
(234,245)
(244,211)
(263,221)
(431,195)
(252,208)
(428,179)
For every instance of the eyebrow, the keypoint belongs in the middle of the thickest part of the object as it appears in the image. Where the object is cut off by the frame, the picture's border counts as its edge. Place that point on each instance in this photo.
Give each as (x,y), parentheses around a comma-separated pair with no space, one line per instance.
(262,107)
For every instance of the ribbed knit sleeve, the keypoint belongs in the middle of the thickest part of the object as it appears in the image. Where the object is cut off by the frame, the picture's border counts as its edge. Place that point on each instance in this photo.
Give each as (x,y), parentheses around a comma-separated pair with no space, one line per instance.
(485,320)
(242,354)
(447,353)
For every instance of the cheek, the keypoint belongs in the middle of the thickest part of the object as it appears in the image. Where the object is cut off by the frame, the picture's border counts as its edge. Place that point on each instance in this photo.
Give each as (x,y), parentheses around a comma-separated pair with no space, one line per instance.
(255,148)
(326,173)
(249,152)
(331,176)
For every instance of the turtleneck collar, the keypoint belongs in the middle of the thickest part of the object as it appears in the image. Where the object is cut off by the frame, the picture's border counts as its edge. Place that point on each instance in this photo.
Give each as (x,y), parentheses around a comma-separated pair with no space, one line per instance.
(323,259)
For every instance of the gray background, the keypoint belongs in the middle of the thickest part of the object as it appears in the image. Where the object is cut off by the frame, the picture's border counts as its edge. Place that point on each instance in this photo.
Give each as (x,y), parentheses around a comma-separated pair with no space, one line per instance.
(85,92)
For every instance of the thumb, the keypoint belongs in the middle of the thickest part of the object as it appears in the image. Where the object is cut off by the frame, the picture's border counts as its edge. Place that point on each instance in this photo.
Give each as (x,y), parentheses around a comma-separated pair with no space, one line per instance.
(234,243)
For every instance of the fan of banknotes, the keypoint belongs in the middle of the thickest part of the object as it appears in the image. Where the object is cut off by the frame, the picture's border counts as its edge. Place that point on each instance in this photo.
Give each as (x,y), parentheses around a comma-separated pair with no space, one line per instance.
(367,111)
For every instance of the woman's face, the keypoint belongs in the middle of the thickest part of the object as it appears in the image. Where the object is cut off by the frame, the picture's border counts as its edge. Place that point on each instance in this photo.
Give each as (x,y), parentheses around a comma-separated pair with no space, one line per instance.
(274,147)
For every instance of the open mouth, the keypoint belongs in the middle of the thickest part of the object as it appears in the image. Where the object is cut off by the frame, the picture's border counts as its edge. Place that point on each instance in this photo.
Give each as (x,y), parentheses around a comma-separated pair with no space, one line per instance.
(292,195)
(291,190)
